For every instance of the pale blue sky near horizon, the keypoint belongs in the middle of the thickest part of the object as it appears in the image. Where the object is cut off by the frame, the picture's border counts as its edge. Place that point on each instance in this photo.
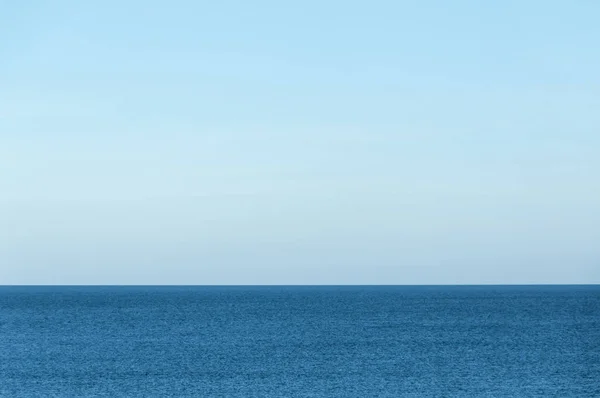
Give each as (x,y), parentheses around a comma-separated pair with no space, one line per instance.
(313,142)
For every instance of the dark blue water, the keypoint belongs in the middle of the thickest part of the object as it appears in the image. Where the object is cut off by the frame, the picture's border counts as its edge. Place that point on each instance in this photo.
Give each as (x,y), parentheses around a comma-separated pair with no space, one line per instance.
(300,341)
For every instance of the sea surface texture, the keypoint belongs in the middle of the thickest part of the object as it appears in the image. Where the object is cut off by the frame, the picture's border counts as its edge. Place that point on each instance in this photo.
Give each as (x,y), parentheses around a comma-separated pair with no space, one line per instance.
(470,341)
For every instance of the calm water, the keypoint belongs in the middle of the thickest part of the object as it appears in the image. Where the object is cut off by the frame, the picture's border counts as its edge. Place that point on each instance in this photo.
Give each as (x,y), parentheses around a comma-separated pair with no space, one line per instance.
(300,341)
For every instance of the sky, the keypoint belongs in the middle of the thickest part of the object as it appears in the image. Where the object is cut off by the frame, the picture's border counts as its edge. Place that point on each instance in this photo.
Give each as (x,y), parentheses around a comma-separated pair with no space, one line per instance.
(312,142)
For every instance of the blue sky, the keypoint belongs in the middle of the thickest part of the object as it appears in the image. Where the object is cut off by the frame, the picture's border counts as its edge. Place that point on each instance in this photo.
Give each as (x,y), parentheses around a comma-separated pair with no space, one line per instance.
(332,142)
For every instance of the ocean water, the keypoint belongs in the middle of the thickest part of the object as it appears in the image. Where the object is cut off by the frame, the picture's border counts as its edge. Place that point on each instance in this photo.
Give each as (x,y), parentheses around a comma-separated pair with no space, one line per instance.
(438,341)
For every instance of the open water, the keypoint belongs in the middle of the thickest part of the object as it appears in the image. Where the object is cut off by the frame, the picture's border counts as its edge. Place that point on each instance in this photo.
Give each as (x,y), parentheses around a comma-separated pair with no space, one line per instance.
(388,341)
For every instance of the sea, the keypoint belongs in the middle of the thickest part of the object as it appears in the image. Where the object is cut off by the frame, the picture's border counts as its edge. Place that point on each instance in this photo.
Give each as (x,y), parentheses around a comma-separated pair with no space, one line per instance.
(300,341)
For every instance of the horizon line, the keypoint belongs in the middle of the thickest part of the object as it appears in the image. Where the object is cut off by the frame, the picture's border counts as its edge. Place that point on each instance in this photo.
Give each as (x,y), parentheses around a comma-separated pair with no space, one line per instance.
(303,285)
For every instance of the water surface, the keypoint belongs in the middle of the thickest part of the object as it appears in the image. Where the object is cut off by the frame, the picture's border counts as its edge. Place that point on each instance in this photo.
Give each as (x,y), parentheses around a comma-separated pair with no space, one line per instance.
(387,341)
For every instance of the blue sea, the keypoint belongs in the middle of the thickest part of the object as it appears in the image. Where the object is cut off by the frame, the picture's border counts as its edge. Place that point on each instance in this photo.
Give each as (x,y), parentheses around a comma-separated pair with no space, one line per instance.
(293,341)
